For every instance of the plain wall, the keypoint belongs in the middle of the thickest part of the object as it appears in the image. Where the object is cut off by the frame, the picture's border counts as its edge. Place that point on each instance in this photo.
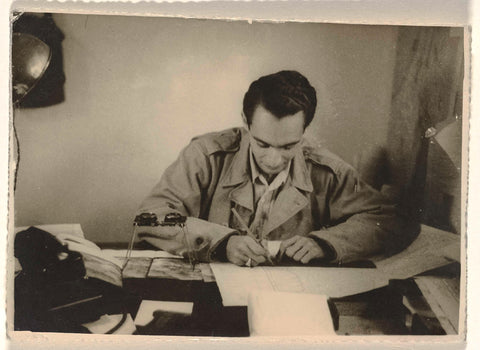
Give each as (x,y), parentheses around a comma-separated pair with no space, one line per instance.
(139,88)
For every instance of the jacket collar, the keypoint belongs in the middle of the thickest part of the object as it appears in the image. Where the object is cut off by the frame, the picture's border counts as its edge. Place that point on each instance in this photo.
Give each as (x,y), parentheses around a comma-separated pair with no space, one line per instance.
(300,174)
(239,170)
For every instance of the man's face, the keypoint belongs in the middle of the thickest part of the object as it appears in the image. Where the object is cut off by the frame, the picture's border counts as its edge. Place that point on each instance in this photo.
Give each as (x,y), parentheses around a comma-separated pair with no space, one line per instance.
(274,140)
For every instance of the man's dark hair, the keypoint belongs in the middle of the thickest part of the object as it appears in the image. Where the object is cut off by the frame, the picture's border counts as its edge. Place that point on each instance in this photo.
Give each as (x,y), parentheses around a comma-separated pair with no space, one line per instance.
(283,93)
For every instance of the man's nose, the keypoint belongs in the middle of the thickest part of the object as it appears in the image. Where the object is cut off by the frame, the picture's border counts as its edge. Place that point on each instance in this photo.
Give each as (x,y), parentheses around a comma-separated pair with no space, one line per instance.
(274,157)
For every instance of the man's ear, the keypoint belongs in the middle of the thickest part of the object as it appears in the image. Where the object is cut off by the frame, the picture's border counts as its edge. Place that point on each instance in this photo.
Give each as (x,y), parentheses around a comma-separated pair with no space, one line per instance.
(245,123)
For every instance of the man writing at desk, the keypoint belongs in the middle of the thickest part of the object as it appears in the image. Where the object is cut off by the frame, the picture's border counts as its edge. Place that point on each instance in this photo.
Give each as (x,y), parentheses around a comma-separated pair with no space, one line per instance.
(269,177)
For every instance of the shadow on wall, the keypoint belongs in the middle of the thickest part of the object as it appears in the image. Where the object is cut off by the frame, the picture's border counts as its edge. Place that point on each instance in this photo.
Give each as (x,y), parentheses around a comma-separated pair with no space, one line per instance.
(421,165)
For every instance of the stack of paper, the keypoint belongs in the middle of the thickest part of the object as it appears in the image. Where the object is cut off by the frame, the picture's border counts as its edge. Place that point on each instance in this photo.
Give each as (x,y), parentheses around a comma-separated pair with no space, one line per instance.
(443,297)
(288,314)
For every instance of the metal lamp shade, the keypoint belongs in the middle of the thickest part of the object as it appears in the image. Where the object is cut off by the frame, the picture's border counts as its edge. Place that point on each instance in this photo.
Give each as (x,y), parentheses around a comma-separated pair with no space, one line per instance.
(30,59)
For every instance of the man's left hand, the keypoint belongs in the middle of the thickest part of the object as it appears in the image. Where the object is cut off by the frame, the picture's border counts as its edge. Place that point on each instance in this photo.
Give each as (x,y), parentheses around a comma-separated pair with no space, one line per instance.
(301,248)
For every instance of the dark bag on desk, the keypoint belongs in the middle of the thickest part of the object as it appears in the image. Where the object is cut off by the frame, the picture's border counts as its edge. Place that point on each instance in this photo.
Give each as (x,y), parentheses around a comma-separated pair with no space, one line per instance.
(55,290)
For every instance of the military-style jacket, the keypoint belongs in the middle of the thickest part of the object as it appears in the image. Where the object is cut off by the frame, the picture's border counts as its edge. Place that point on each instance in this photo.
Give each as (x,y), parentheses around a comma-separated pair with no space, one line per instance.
(325,198)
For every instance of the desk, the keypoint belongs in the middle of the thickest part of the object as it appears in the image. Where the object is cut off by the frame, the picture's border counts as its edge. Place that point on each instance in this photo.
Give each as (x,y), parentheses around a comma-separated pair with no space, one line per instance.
(374,312)
(378,311)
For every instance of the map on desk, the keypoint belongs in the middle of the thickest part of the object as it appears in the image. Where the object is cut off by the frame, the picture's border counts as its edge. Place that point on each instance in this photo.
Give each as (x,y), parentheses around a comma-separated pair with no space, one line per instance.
(236,282)
(433,248)
(174,269)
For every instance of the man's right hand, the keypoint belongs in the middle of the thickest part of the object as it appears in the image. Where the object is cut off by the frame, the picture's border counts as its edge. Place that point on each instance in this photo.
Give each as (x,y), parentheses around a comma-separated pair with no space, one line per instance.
(242,248)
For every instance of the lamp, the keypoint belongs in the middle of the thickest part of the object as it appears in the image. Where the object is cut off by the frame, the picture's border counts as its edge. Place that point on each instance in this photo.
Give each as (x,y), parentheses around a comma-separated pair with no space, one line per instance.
(30,59)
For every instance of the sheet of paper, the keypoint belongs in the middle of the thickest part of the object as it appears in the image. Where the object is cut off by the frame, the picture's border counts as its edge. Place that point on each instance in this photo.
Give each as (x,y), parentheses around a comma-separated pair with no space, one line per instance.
(288,314)
(235,282)
(431,249)
(137,268)
(98,267)
(174,269)
(273,247)
(82,245)
(207,272)
(452,252)
(148,307)
(55,229)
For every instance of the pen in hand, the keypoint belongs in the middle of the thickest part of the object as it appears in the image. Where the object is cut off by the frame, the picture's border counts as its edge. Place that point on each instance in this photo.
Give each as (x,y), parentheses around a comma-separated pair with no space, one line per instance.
(250,233)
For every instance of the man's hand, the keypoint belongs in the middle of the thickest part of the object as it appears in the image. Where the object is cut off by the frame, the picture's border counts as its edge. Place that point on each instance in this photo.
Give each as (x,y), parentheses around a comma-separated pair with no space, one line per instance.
(301,248)
(242,248)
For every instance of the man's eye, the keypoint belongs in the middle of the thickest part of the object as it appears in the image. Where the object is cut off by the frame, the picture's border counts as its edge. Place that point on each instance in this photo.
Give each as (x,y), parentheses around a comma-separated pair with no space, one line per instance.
(289,147)
(262,145)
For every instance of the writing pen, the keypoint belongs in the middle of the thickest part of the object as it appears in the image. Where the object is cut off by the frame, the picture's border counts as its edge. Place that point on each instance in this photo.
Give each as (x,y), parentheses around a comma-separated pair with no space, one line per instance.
(250,233)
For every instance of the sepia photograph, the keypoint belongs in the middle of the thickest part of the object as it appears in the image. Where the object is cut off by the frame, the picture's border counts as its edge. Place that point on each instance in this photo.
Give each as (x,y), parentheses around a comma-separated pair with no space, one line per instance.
(237,179)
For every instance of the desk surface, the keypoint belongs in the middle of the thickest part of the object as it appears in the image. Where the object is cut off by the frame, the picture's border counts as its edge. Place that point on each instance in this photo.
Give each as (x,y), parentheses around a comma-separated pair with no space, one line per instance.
(368,313)
(380,311)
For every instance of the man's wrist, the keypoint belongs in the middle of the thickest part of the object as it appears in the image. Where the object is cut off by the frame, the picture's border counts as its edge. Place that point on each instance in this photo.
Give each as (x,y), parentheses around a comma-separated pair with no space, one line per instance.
(328,250)
(220,251)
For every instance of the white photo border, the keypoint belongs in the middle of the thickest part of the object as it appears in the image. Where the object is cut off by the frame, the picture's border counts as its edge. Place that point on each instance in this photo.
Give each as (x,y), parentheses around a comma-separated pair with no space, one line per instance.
(390,12)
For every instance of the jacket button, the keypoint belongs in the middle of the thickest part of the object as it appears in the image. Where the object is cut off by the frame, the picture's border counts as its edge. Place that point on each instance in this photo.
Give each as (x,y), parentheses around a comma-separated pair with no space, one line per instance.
(198,241)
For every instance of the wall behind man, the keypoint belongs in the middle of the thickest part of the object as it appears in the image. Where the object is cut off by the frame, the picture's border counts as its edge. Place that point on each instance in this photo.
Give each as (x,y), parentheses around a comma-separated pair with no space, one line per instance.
(138,89)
